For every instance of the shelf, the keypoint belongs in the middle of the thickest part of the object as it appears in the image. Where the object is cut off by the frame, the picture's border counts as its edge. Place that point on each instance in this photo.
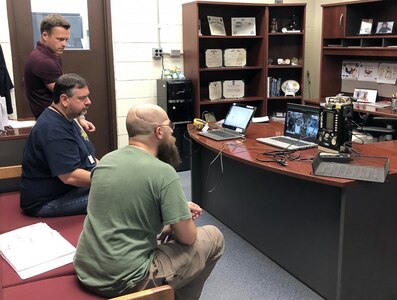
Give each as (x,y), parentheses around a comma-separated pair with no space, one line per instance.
(361,51)
(229,37)
(285,33)
(231,69)
(341,23)
(380,36)
(285,98)
(284,67)
(232,100)
(259,48)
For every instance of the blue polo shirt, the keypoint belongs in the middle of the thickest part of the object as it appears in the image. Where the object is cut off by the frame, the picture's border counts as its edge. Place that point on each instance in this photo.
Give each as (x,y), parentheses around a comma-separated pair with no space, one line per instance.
(55,147)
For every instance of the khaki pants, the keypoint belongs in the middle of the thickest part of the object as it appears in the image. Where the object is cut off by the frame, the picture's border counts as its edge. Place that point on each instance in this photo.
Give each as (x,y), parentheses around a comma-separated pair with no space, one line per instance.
(186,268)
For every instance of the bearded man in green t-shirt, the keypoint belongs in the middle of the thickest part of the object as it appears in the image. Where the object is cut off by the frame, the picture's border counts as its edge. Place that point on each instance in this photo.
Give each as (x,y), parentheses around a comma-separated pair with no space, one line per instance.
(136,199)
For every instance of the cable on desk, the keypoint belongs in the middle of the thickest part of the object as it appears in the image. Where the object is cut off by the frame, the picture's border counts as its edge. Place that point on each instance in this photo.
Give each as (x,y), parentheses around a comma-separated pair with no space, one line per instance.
(281,156)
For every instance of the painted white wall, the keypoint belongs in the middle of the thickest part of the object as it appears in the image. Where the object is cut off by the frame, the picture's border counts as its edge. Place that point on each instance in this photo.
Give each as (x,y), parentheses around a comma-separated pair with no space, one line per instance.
(136,30)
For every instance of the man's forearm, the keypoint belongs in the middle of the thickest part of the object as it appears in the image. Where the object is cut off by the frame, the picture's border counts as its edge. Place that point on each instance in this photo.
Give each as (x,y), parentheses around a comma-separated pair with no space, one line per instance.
(79,178)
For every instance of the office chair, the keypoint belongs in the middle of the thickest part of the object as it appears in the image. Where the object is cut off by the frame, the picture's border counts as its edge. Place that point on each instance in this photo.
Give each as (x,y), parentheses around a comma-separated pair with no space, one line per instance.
(379,133)
(163,292)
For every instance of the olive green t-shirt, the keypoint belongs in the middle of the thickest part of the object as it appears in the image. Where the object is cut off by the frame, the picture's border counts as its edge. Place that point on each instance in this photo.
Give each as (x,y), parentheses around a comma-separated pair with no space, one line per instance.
(133,194)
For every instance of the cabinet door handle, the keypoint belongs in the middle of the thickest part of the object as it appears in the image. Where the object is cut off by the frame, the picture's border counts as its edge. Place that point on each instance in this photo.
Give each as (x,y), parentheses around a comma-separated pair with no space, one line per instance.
(340,20)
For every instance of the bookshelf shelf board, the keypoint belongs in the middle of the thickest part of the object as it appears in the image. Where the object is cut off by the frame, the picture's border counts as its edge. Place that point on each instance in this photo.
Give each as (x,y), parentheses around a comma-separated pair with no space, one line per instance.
(231,100)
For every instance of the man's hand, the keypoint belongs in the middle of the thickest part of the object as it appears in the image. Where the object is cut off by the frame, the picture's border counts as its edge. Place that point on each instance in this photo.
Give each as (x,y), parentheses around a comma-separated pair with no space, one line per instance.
(166,234)
(195,210)
(87,125)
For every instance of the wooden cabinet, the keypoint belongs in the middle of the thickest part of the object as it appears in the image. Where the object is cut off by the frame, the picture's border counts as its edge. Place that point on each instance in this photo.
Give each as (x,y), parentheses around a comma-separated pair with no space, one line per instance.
(341,41)
(334,27)
(258,47)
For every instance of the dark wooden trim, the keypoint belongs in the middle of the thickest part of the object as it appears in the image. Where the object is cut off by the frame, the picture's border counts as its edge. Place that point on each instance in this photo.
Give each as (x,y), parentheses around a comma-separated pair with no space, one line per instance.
(110,74)
(23,46)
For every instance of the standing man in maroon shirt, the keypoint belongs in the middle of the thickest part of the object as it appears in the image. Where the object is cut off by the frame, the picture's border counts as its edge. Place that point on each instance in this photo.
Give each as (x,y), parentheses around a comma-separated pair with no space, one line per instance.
(44,66)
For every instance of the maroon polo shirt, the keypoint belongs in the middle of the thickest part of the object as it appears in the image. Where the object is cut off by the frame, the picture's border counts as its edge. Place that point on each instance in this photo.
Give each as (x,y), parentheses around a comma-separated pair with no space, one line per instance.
(42,67)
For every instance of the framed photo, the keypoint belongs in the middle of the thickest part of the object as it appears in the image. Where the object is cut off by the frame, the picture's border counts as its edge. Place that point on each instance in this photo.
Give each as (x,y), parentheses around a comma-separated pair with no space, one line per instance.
(366,26)
(365,95)
(385,27)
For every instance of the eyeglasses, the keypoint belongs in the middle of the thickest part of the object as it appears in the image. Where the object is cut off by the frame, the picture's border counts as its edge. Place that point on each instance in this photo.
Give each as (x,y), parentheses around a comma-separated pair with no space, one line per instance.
(171,125)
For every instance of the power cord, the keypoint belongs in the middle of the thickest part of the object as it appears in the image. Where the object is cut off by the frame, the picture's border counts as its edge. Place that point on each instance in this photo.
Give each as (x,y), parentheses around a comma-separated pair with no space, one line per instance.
(209,169)
(280,156)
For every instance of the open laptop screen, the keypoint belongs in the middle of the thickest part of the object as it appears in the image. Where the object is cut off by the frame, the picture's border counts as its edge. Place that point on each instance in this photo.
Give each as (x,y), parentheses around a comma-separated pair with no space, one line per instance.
(301,122)
(238,117)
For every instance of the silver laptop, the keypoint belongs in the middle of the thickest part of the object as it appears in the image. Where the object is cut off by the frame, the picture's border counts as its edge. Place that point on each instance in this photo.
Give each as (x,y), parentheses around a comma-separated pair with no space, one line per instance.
(236,123)
(300,128)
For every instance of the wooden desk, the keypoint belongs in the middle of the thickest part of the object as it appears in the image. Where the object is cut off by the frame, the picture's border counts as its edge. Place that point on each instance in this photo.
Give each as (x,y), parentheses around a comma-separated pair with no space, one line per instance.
(335,235)
(11,151)
(372,110)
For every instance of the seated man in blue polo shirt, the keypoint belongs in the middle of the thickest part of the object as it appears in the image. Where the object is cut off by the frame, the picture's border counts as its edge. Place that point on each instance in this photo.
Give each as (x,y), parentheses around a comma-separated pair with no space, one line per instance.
(58,156)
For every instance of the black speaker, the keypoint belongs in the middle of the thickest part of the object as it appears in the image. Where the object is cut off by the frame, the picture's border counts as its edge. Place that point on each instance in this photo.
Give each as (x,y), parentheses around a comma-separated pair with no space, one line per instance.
(176,98)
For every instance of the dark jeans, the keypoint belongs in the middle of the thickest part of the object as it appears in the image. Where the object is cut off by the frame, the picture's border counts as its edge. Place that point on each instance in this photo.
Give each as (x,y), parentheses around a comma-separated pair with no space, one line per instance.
(72,203)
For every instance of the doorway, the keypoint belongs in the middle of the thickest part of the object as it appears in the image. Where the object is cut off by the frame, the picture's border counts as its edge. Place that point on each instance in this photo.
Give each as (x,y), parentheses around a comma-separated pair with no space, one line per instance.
(95,64)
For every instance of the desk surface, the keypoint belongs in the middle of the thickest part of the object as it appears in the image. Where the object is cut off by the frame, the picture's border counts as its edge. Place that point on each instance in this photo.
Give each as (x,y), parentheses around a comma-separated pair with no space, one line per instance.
(247,151)
(15,134)
(377,111)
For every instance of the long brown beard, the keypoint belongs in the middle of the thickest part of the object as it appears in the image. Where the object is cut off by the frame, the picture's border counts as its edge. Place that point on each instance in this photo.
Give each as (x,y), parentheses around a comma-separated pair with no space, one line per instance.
(168,153)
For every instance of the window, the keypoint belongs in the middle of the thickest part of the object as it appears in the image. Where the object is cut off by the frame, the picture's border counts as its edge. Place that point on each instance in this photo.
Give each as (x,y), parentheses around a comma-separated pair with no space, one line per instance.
(75,11)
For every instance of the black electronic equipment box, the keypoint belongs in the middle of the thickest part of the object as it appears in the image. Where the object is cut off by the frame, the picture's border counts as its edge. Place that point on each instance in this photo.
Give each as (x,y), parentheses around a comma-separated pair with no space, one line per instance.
(175,96)
(335,126)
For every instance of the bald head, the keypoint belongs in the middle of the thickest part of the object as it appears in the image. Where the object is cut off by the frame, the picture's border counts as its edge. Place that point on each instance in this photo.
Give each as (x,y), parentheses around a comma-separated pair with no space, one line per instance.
(143,119)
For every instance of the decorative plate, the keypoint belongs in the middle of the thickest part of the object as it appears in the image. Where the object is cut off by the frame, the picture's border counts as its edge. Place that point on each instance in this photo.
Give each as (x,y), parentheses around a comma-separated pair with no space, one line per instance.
(290,87)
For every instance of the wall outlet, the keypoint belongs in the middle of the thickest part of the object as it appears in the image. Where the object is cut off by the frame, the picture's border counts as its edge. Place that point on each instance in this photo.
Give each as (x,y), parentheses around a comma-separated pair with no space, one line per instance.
(157,53)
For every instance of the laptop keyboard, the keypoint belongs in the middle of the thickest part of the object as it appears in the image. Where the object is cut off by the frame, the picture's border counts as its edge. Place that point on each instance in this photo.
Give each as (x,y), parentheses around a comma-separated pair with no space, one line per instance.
(283,139)
(224,134)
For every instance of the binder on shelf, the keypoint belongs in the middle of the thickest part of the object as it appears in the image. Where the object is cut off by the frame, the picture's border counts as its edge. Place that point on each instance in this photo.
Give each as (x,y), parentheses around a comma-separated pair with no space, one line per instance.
(273,87)
(278,87)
